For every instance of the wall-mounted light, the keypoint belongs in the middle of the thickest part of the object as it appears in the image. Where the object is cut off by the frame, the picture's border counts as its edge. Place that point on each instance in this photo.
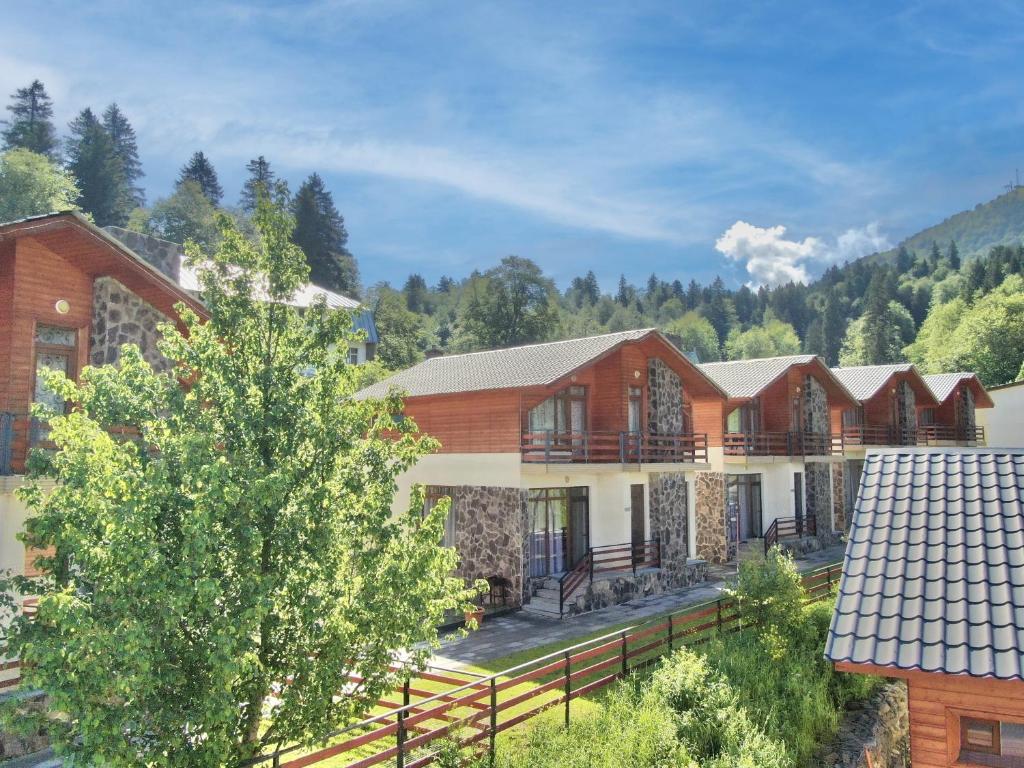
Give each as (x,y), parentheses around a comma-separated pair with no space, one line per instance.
(572,379)
(62,306)
(636,374)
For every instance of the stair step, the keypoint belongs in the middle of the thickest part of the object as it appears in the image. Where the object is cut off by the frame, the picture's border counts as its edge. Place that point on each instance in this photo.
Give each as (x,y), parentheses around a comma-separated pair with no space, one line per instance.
(547,593)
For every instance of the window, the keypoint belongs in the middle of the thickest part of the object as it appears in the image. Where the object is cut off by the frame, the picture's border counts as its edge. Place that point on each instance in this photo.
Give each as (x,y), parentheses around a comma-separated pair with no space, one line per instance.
(927,415)
(991,742)
(353,356)
(853,417)
(563,413)
(434,494)
(636,405)
(55,350)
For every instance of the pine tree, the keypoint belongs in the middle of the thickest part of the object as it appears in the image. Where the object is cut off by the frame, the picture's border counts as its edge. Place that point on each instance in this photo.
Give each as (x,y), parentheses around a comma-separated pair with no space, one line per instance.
(261,178)
(953,255)
(123,136)
(833,327)
(320,233)
(31,126)
(93,160)
(416,294)
(200,170)
(877,322)
(624,293)
(591,290)
(904,261)
(934,257)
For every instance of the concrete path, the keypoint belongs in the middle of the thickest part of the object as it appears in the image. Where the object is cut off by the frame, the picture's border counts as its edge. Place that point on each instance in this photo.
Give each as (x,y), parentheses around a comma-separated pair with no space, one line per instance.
(521,631)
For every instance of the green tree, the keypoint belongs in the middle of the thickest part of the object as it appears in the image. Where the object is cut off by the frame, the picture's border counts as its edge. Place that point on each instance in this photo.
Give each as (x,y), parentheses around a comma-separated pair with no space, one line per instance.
(772,339)
(953,255)
(125,147)
(696,336)
(398,329)
(261,180)
(833,326)
(862,346)
(185,215)
(32,184)
(93,160)
(320,233)
(31,124)
(417,295)
(719,310)
(200,170)
(510,304)
(240,547)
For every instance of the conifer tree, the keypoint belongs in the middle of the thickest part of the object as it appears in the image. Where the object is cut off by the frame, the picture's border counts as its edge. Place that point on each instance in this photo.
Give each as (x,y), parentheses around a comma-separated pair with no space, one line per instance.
(953,255)
(320,233)
(123,136)
(200,170)
(93,161)
(261,178)
(31,126)
(833,327)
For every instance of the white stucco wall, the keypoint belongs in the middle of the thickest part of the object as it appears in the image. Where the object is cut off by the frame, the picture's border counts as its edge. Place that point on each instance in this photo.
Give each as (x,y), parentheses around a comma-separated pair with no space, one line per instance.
(1004,424)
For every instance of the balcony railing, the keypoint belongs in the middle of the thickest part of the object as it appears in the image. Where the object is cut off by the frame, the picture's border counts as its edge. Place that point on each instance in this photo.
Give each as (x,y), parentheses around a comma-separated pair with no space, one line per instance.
(928,434)
(612,558)
(781,444)
(550,447)
(868,434)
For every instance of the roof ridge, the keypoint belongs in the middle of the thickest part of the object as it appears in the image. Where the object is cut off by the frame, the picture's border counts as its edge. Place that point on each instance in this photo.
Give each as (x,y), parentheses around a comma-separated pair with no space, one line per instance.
(538,344)
(758,359)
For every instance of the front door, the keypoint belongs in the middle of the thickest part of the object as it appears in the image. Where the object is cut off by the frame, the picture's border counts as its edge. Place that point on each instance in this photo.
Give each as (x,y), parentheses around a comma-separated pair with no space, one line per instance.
(560,529)
(743,497)
(579,524)
(638,520)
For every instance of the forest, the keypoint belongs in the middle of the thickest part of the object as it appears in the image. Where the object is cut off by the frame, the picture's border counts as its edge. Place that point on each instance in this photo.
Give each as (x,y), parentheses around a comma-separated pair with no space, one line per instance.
(948,298)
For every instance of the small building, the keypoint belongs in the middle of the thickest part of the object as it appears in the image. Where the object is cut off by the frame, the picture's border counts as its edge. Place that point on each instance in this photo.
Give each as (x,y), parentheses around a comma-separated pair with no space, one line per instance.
(1003,423)
(954,420)
(933,592)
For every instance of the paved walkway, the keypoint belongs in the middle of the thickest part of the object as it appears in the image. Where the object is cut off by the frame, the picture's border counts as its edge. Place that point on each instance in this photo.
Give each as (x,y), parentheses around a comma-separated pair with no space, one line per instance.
(520,631)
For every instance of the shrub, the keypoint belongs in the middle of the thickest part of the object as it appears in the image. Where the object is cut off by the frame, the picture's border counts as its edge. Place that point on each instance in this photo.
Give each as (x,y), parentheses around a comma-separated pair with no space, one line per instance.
(770,594)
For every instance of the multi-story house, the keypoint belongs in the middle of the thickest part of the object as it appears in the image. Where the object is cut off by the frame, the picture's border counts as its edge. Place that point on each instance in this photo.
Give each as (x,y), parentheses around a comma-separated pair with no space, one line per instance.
(954,421)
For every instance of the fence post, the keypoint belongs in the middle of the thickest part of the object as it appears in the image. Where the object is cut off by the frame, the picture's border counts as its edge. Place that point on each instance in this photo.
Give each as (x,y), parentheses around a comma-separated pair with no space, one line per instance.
(625,661)
(718,605)
(828,573)
(547,446)
(670,633)
(277,761)
(590,554)
(494,715)
(400,740)
(568,686)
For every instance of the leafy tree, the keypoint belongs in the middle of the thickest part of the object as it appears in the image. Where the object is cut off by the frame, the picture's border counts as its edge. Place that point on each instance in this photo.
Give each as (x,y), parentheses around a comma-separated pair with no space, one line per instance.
(31,184)
(696,336)
(94,162)
(123,137)
(320,233)
(863,346)
(241,546)
(773,339)
(511,304)
(200,170)
(31,125)
(262,180)
(185,215)
(399,331)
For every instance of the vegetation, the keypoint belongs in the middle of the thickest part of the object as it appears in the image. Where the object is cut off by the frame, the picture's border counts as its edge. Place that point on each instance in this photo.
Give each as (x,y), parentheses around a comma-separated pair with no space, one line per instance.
(320,233)
(200,170)
(229,537)
(31,124)
(32,184)
(93,160)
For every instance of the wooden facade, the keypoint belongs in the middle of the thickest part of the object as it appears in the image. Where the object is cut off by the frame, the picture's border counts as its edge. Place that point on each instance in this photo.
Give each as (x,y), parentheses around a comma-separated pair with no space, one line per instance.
(878,423)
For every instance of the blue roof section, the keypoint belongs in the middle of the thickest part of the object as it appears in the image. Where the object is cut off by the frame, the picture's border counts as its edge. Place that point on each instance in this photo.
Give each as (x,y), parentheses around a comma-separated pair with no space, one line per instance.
(362,320)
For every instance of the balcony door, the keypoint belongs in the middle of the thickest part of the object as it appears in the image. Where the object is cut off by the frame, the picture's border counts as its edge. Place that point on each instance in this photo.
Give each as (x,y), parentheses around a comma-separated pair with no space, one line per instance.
(560,421)
(743,494)
(560,535)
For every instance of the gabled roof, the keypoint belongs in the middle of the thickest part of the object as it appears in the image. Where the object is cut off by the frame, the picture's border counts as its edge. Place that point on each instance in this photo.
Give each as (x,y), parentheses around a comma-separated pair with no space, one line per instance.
(944,384)
(527,366)
(865,381)
(744,379)
(934,573)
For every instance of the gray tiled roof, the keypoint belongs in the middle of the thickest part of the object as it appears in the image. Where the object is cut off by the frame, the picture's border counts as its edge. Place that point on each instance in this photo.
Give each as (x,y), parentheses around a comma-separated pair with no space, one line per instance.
(864,381)
(531,365)
(934,572)
(943,384)
(746,378)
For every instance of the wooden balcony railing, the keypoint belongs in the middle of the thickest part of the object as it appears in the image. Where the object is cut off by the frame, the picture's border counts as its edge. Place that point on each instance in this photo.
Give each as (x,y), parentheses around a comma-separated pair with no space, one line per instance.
(928,434)
(868,434)
(550,447)
(781,444)
(789,528)
(611,558)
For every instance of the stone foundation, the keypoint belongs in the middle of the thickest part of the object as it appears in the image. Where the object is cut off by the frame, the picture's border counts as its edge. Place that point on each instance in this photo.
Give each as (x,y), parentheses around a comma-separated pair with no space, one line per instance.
(802,546)
(619,589)
(120,317)
(709,502)
(490,535)
(881,728)
(668,517)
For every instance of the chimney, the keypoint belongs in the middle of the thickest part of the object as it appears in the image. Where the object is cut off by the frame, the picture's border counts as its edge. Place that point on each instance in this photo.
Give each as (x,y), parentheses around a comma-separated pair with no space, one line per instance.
(433,352)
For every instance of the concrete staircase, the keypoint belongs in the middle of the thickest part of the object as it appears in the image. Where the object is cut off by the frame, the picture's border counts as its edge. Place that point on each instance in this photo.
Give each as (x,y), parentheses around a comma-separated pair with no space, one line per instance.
(544,602)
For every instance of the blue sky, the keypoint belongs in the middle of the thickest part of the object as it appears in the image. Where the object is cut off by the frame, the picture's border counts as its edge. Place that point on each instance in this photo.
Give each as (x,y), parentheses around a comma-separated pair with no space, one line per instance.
(759,141)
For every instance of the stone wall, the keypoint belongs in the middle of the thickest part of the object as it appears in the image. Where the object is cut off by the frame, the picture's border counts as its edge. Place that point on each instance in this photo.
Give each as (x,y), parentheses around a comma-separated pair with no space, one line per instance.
(965,410)
(665,399)
(839,497)
(709,502)
(120,317)
(906,410)
(489,534)
(604,592)
(816,416)
(668,517)
(881,728)
(162,254)
(818,492)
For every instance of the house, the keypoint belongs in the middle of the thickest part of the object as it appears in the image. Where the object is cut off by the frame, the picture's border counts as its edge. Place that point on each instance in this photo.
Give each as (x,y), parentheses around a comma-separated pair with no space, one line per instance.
(954,421)
(933,592)
(780,458)
(1003,423)
(568,456)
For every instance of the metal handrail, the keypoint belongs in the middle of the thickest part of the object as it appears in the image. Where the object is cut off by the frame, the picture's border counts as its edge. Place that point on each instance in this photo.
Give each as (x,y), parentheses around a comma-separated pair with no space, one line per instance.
(787,527)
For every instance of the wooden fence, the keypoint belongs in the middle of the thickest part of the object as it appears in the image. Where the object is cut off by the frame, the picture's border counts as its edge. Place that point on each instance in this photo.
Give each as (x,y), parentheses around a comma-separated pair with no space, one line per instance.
(475,709)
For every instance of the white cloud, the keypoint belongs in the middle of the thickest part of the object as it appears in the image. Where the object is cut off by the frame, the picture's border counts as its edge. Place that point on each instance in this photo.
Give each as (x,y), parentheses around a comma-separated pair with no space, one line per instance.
(772,259)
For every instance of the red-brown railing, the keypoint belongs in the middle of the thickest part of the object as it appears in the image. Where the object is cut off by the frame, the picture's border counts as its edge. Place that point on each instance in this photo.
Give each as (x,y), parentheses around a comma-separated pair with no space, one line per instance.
(549,447)
(868,434)
(789,527)
(611,558)
(781,444)
(473,713)
(927,434)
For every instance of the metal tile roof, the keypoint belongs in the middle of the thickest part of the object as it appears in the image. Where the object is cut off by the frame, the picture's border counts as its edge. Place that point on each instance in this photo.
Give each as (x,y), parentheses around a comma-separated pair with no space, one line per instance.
(934,573)
(531,365)
(746,378)
(864,381)
(943,384)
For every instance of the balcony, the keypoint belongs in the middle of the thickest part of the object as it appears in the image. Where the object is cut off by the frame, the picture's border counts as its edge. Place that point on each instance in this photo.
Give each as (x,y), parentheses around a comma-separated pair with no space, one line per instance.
(867,434)
(551,447)
(781,444)
(930,434)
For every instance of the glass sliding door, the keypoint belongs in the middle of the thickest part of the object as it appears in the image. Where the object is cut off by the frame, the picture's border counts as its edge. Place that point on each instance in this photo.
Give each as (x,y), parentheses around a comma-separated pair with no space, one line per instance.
(744,504)
(560,529)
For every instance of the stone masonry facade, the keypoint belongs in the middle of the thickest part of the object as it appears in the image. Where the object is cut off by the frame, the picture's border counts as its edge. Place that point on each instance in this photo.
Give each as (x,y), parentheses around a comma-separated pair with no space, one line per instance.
(906,410)
(839,497)
(816,416)
(120,317)
(709,510)
(602,593)
(665,399)
(162,254)
(668,513)
(818,483)
(490,534)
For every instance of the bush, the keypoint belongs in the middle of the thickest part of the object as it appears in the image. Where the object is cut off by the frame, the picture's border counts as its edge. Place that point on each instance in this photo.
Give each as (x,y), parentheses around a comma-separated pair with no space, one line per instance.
(770,594)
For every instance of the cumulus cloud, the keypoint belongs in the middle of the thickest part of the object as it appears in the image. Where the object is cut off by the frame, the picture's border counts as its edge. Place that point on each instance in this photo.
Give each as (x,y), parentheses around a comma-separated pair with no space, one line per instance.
(772,259)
